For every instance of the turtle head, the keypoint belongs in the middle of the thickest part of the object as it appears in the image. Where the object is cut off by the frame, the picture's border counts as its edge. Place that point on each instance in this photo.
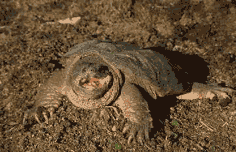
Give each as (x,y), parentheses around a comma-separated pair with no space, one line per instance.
(92,79)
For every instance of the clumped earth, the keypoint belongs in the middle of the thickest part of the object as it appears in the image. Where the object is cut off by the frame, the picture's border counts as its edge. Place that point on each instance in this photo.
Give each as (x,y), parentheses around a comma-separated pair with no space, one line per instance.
(31,51)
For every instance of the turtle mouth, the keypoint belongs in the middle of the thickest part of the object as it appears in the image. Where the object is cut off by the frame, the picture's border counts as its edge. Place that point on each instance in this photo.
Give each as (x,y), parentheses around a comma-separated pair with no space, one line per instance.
(95,83)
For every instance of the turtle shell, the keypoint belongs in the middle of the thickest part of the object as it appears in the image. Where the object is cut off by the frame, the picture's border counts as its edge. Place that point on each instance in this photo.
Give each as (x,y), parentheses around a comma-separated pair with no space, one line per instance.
(146,68)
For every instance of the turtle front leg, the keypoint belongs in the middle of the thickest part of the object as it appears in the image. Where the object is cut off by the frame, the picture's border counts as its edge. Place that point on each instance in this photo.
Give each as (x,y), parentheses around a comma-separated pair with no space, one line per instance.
(200,91)
(49,97)
(135,109)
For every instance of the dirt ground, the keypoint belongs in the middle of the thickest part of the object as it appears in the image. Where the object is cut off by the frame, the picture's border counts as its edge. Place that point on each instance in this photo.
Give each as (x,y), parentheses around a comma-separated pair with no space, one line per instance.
(31,51)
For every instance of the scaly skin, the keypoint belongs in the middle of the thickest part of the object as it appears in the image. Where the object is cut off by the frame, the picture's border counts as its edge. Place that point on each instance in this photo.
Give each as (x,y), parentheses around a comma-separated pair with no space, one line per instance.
(49,95)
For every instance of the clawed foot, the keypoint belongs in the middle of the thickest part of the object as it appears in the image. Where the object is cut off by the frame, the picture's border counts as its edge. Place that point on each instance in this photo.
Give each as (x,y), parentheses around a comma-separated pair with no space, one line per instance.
(134,131)
(34,113)
(224,93)
(200,91)
(140,132)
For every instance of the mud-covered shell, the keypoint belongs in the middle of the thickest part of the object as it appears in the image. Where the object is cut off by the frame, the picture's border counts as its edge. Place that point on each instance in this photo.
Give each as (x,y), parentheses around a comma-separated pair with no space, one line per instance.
(146,68)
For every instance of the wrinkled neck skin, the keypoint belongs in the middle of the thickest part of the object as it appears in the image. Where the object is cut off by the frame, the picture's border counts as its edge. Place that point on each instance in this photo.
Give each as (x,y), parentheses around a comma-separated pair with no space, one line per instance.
(82,82)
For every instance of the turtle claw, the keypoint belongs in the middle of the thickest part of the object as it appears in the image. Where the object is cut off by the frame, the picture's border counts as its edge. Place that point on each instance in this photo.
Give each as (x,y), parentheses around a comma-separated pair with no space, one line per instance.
(37,119)
(131,135)
(33,113)
(51,110)
(130,139)
(30,113)
(136,132)
(126,128)
(139,138)
(45,117)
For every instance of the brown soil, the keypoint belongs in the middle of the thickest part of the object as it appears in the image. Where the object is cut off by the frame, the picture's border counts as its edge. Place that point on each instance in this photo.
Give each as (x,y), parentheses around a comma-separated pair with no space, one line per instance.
(31,50)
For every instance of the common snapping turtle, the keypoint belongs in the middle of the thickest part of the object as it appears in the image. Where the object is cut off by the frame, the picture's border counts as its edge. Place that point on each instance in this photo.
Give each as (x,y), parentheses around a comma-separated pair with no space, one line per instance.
(100,74)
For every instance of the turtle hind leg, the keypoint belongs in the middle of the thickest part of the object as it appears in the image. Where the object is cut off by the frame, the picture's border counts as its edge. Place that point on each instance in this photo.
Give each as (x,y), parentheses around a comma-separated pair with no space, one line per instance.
(200,91)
